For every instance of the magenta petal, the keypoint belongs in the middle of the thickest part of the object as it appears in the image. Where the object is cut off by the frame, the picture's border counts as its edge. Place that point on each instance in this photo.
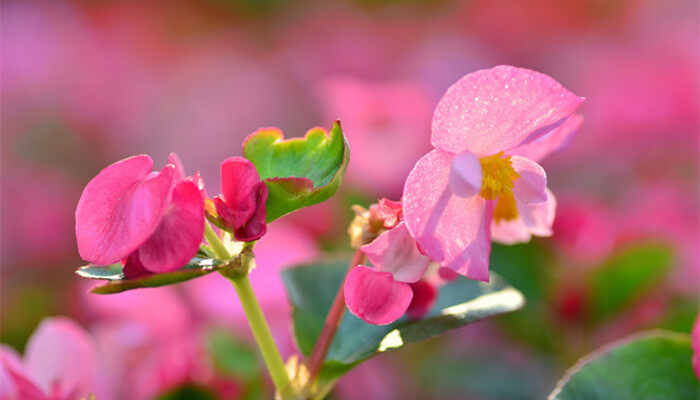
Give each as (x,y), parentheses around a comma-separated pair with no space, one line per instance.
(375,296)
(556,140)
(133,268)
(120,208)
(466,175)
(530,187)
(256,226)
(497,109)
(240,189)
(395,251)
(179,172)
(451,230)
(424,296)
(179,234)
(61,353)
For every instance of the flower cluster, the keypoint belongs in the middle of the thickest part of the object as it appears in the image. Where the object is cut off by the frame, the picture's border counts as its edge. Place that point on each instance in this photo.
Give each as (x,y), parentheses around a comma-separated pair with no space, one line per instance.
(153,222)
(480,182)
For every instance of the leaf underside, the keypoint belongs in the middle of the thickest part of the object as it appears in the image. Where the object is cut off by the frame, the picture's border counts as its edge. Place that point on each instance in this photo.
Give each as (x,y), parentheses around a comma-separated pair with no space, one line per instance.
(116,282)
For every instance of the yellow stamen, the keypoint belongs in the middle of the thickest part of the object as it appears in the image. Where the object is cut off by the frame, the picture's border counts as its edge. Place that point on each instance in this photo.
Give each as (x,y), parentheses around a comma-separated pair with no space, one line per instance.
(498,176)
(505,209)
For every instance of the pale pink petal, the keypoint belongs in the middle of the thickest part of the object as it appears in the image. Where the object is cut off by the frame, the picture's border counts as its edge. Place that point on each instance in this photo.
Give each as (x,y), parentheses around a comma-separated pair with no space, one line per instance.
(449,229)
(391,212)
(61,353)
(424,296)
(14,380)
(530,187)
(179,234)
(533,219)
(466,175)
(497,109)
(375,296)
(256,226)
(556,140)
(120,208)
(395,251)
(179,172)
(240,189)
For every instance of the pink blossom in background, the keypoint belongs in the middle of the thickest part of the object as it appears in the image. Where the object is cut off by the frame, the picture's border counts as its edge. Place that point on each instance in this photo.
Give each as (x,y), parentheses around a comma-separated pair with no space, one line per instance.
(36,203)
(147,337)
(586,230)
(153,220)
(666,211)
(59,364)
(386,123)
(483,115)
(328,42)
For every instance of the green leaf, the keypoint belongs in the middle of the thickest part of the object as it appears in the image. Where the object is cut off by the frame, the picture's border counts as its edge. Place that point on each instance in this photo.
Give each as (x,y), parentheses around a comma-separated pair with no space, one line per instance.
(312,288)
(627,276)
(298,172)
(116,282)
(188,391)
(653,365)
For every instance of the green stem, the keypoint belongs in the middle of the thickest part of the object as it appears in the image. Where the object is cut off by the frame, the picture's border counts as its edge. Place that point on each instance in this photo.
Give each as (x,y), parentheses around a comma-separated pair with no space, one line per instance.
(261,332)
(215,242)
(253,312)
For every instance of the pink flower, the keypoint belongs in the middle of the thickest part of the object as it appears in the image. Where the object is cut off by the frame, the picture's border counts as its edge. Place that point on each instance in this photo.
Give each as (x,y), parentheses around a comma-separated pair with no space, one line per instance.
(152,220)
(58,364)
(378,115)
(381,296)
(148,338)
(475,174)
(241,205)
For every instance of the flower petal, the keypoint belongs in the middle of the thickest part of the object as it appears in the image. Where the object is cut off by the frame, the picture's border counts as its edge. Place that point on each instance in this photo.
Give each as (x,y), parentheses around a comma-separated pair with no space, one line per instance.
(395,251)
(62,353)
(120,208)
(256,226)
(179,172)
(240,189)
(179,234)
(466,175)
(530,187)
(497,109)
(533,219)
(375,296)
(424,296)
(14,381)
(449,229)
(556,140)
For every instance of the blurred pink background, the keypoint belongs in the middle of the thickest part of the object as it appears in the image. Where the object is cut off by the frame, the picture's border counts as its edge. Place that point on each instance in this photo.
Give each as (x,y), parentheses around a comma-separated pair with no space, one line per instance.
(87,83)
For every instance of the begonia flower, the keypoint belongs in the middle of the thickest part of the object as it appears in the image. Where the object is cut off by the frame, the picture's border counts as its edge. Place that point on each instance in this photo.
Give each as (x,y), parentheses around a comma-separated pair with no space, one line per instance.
(474,175)
(153,221)
(241,205)
(382,295)
(58,364)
